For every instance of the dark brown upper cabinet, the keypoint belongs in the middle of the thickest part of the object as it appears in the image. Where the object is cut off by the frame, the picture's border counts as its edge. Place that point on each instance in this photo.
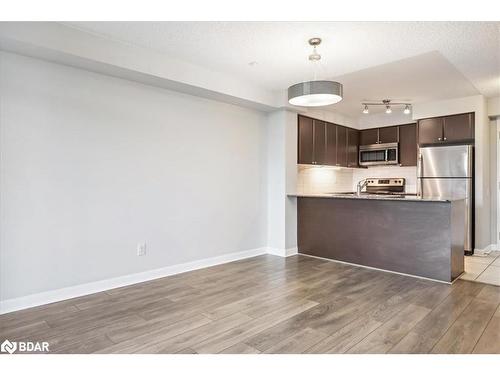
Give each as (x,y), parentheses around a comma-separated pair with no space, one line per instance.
(430,130)
(408,145)
(305,151)
(331,144)
(311,141)
(323,143)
(368,137)
(389,134)
(319,142)
(352,148)
(459,128)
(341,146)
(446,129)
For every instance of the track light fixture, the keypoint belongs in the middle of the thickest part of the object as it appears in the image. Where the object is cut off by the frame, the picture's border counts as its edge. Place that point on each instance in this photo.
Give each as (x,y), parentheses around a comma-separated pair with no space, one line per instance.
(388,105)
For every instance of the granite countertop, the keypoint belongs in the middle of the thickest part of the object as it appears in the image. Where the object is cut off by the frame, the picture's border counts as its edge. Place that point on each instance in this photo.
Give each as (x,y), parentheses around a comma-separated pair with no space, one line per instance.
(406,198)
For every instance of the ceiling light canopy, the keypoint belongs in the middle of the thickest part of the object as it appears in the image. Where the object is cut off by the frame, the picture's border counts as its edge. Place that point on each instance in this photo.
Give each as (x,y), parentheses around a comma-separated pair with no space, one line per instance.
(315,93)
(388,106)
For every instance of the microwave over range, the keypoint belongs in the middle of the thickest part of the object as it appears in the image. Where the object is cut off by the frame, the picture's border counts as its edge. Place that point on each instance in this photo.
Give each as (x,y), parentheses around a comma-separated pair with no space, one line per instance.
(379,154)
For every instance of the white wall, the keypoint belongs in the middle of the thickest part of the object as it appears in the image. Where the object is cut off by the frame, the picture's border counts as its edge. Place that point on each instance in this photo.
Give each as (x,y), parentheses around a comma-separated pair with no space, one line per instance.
(478,105)
(282,180)
(91,165)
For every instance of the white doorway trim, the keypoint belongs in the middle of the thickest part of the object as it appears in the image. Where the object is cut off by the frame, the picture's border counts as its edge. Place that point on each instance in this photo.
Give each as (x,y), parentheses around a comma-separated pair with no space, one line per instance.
(497,187)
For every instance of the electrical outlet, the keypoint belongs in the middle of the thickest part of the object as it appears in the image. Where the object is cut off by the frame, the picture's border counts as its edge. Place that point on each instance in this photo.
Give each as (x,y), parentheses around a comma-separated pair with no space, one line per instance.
(141,249)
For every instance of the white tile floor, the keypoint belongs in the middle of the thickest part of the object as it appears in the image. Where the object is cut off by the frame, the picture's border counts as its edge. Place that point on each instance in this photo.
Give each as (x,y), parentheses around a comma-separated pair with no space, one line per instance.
(484,269)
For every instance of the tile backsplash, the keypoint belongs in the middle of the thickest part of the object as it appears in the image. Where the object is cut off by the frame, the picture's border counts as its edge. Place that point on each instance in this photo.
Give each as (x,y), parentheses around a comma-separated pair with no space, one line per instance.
(317,180)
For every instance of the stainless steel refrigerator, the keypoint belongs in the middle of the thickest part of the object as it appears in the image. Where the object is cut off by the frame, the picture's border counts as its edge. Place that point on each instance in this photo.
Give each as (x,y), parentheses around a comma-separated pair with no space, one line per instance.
(447,172)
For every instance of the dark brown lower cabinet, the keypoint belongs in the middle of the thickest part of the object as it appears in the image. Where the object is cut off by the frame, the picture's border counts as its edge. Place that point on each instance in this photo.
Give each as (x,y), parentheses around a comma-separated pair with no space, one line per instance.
(408,145)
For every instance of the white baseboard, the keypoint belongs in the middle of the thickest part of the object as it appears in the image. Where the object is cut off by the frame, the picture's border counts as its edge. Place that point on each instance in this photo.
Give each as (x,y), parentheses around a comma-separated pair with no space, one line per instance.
(57,295)
(282,252)
(486,250)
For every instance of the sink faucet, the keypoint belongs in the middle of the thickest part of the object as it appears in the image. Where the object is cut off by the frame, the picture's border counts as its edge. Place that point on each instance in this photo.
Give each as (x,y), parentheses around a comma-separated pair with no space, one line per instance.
(361,185)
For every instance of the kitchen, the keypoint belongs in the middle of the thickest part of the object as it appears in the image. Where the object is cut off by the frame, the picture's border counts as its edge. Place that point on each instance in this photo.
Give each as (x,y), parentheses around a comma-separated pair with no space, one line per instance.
(430,145)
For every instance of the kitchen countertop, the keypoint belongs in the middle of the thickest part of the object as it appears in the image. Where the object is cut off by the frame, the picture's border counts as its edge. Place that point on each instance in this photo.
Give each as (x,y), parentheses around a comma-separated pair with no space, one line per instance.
(406,198)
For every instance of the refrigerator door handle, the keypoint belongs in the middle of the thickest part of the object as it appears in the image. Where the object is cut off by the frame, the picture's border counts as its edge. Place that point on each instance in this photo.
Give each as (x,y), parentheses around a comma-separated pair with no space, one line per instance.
(420,172)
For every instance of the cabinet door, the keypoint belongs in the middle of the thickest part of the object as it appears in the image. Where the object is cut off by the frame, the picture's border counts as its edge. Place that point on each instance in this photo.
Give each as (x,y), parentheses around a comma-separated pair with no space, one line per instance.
(341,146)
(352,148)
(368,137)
(388,134)
(319,142)
(305,135)
(430,130)
(408,145)
(458,128)
(331,144)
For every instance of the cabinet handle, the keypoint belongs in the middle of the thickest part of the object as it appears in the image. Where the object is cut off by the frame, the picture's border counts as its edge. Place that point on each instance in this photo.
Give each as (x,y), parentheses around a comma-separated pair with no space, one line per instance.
(444,138)
(439,139)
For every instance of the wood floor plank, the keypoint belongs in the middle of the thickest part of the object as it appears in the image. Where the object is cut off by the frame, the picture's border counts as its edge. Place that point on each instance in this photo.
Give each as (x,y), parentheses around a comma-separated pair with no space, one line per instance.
(240,348)
(463,335)
(489,342)
(423,337)
(153,343)
(298,343)
(159,327)
(386,336)
(239,334)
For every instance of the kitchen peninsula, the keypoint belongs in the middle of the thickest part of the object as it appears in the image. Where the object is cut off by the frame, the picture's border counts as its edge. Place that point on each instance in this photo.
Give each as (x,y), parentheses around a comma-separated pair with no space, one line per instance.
(407,234)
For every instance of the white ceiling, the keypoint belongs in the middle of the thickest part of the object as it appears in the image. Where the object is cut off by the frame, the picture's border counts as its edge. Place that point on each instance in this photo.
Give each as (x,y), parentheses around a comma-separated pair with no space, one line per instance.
(417,61)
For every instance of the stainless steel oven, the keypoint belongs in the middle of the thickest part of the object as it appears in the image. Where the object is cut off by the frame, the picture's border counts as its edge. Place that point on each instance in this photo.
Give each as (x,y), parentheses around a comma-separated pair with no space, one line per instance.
(379,154)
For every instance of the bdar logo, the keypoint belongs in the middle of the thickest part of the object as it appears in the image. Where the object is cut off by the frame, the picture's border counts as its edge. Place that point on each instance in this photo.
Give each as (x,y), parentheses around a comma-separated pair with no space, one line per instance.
(8,347)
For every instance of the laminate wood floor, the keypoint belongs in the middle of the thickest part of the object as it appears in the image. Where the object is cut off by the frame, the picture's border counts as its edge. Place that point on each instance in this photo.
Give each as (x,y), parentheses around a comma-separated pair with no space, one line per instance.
(269,304)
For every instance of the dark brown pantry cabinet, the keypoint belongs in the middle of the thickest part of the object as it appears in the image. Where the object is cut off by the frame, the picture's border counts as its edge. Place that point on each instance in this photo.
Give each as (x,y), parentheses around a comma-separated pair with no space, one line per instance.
(446,129)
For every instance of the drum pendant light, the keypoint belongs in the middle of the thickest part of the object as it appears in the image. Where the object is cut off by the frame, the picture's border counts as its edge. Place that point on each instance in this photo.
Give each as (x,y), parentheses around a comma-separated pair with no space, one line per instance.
(315,93)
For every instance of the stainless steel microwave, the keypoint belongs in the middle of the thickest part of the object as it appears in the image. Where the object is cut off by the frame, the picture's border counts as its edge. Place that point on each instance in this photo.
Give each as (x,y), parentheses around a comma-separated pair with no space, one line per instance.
(379,154)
